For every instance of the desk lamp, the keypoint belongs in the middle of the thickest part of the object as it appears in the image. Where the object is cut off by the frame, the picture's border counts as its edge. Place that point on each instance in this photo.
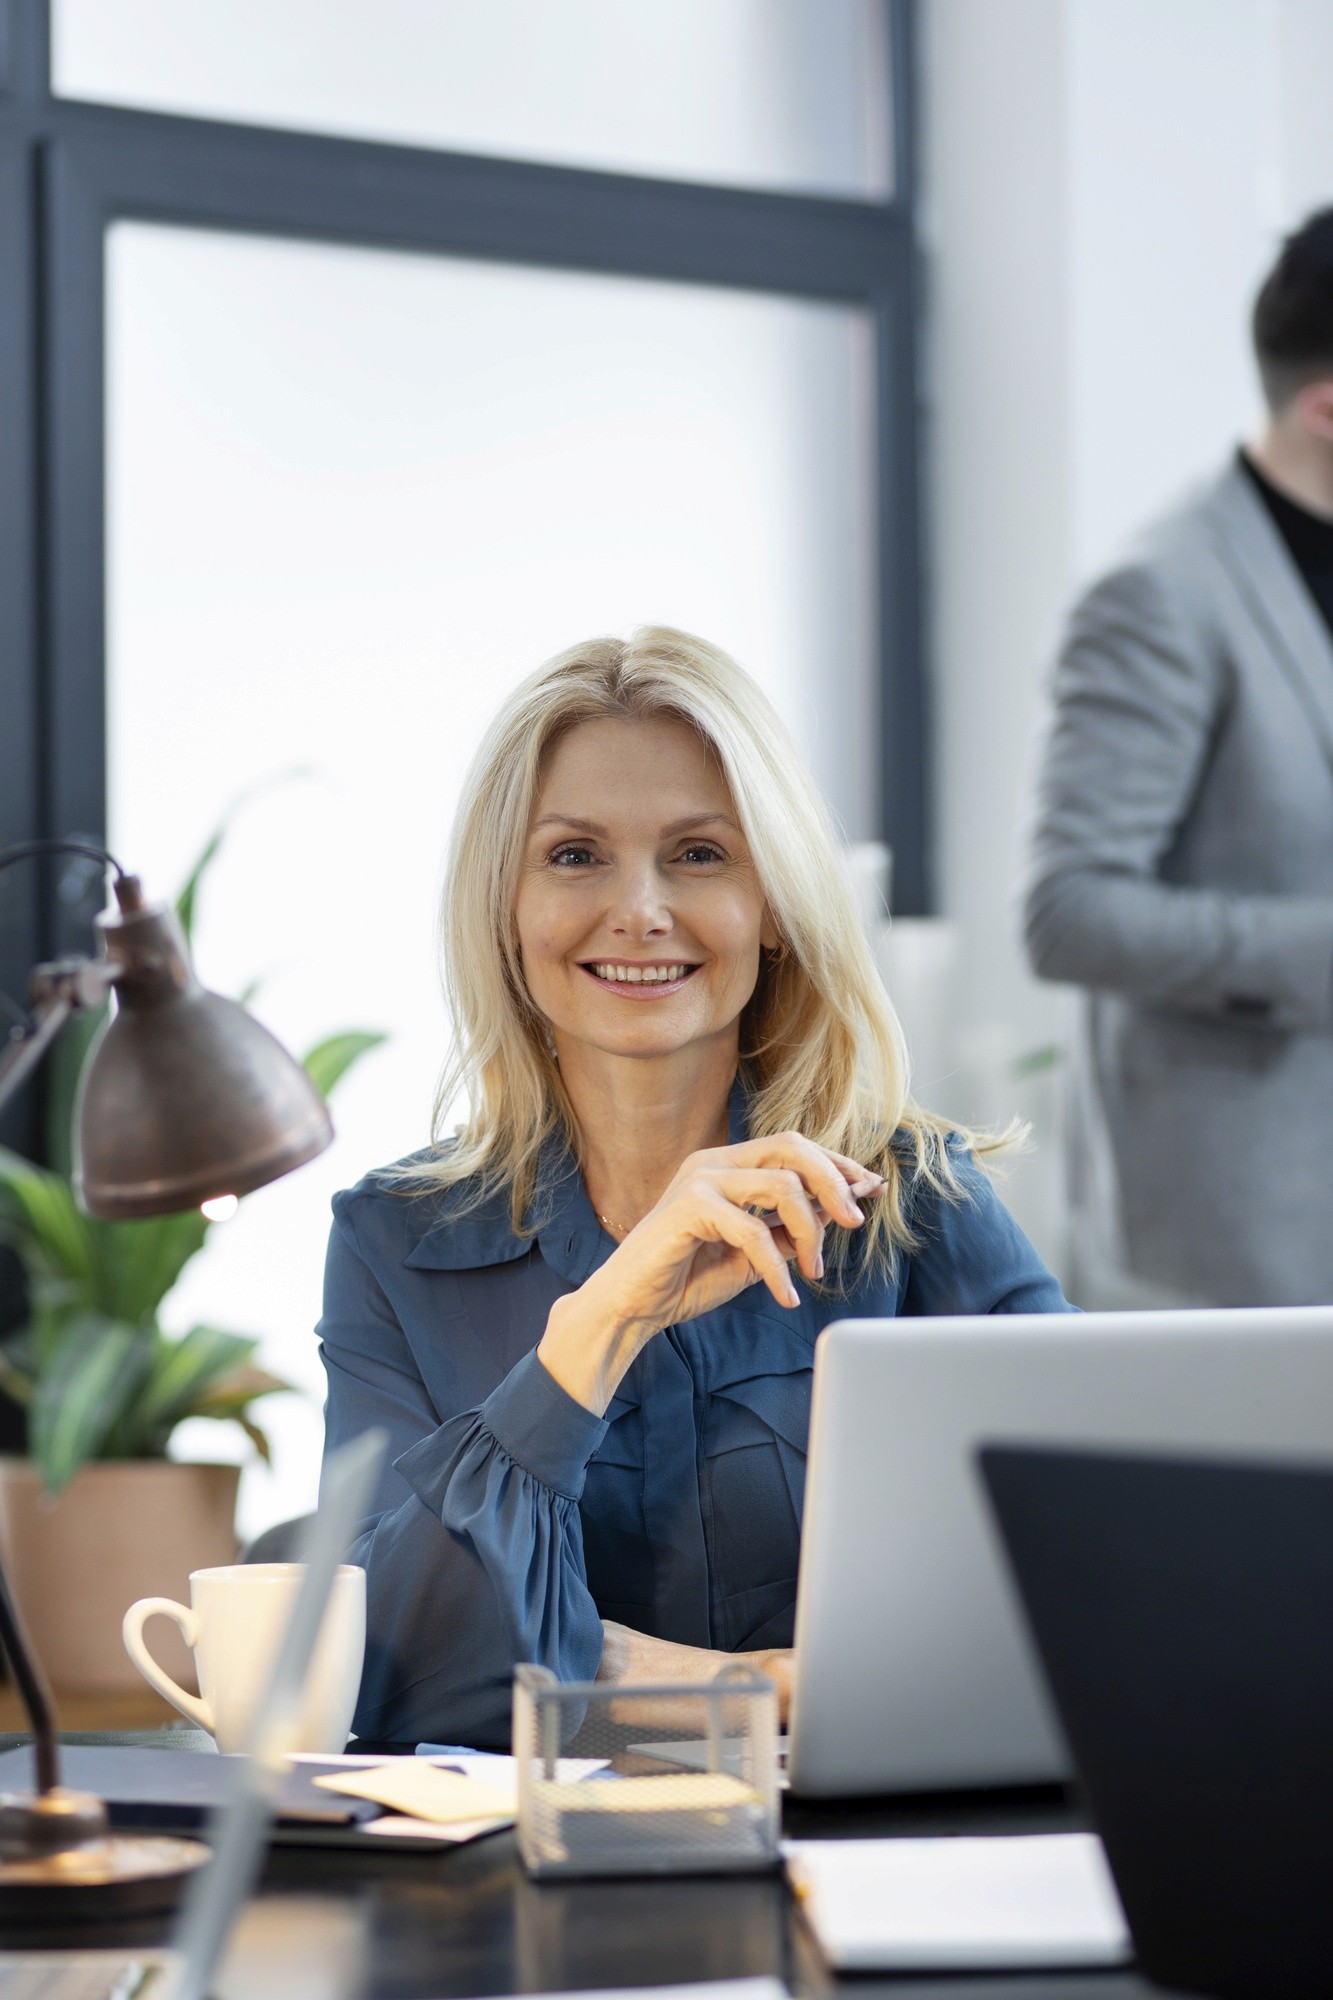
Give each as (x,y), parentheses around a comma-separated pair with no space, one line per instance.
(183,1097)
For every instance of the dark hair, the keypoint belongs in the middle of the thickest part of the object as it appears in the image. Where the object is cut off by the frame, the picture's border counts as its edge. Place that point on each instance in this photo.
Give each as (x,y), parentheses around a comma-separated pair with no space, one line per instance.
(1293,314)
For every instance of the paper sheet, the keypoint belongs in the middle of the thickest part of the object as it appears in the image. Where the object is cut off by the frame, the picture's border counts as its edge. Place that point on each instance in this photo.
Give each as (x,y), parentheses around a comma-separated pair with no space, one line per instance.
(504,1770)
(492,1764)
(344,1760)
(418,1790)
(707,1989)
(684,1791)
(394,1827)
(960,1904)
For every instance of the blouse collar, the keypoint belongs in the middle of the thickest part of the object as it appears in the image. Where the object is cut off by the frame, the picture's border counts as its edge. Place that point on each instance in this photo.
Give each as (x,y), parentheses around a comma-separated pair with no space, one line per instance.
(568,1234)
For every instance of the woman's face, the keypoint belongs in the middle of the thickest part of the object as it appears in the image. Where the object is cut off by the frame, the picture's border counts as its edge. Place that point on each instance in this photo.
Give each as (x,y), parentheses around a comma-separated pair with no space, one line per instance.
(639,914)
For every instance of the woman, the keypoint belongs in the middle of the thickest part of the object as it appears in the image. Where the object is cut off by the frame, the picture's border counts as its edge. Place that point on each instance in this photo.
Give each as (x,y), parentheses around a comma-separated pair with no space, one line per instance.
(587,1321)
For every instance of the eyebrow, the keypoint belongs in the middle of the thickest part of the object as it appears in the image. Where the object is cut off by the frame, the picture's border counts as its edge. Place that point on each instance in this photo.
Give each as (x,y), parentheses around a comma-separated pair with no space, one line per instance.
(677,826)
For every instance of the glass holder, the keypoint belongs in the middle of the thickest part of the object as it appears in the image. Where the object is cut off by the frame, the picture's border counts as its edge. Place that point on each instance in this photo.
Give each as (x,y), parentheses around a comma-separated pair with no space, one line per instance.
(687,1780)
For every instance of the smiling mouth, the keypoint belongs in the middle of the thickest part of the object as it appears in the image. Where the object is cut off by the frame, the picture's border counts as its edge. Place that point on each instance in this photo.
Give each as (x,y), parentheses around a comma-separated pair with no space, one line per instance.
(639,982)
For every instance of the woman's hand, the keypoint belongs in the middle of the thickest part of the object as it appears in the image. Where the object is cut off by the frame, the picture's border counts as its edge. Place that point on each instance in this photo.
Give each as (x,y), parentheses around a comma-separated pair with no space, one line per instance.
(631,1658)
(732,1216)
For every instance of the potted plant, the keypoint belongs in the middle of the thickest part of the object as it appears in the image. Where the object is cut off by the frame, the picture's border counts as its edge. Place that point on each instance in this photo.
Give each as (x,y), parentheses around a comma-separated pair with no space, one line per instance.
(97,1515)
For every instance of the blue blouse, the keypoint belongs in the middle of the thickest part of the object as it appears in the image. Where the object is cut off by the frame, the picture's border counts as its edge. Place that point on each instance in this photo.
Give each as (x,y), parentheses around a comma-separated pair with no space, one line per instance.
(509,1520)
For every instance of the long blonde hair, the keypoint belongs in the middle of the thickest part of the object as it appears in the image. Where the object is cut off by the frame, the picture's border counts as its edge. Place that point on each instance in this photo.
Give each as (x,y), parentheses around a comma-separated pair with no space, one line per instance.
(821,1046)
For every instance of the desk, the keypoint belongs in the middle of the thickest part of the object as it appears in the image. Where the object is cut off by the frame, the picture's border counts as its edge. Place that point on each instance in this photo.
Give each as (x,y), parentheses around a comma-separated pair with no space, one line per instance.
(468,1922)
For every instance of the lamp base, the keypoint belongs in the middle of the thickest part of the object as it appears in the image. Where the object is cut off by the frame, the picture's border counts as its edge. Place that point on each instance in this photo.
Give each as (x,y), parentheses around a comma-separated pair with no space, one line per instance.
(121,1875)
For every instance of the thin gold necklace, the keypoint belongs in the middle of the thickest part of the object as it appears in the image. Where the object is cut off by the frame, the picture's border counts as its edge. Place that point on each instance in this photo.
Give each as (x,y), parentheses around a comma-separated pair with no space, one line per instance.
(613,1228)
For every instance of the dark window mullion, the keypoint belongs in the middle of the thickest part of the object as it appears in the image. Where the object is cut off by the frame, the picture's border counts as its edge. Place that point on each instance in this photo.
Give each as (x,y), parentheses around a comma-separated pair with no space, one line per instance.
(74,402)
(22,938)
(25,50)
(904,720)
(351,191)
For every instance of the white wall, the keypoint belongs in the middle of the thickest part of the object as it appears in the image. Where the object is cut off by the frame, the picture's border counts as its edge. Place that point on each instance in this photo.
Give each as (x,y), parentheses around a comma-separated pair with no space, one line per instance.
(1106,181)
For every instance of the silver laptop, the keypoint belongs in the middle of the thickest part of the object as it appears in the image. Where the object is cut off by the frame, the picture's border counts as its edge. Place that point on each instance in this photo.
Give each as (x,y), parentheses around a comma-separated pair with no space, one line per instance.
(216,1894)
(913,1668)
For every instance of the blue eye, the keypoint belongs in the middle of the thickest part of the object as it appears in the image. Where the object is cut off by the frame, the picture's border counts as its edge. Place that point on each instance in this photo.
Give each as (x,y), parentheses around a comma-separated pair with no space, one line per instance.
(571,856)
(702,851)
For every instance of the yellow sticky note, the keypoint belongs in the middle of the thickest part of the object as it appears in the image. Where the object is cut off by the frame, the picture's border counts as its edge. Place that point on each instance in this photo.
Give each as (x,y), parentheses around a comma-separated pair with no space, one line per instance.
(410,1785)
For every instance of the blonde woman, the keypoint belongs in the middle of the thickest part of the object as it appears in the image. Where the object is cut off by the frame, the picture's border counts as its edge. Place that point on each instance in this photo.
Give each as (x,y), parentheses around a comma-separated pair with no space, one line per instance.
(587,1321)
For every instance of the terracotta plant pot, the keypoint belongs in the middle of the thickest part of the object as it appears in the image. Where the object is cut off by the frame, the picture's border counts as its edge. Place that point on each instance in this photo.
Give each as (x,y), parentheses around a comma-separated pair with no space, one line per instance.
(120,1530)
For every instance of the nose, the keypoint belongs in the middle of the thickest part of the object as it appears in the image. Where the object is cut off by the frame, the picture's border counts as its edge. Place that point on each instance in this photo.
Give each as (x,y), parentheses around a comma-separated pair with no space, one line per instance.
(640,909)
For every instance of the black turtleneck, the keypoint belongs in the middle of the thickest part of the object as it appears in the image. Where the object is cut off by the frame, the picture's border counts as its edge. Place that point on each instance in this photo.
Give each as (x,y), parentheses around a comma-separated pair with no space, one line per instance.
(1309,538)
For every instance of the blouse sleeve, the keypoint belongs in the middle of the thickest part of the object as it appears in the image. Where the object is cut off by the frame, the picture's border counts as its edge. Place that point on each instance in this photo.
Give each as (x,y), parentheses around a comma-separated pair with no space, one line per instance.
(973,1257)
(474,1555)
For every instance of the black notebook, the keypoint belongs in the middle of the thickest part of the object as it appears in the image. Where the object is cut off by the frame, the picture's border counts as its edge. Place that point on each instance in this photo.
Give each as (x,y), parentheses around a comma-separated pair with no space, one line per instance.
(174,1791)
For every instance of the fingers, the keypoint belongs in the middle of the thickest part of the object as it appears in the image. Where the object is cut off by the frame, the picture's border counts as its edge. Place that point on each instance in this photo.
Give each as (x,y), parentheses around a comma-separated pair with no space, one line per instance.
(835,1181)
(779,1192)
(754,1239)
(861,1180)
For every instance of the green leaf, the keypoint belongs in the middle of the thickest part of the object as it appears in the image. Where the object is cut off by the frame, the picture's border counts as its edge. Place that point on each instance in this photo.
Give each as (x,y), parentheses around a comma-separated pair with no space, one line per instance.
(122,1270)
(137,1263)
(83,1391)
(182,1373)
(188,896)
(329,1061)
(257,1439)
(64,1067)
(15,1378)
(230,1398)
(235,1391)
(45,1225)
(1034,1061)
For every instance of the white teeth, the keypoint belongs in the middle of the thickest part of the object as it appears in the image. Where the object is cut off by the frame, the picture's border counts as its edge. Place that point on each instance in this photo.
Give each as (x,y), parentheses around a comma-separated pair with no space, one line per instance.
(642,975)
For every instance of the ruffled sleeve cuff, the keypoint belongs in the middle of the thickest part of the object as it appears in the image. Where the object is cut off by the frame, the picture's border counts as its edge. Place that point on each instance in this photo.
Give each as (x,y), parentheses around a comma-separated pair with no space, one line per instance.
(542,1428)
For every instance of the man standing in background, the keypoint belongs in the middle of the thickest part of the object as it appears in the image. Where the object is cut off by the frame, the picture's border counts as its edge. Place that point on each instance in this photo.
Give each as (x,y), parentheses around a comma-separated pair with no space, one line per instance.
(1181,865)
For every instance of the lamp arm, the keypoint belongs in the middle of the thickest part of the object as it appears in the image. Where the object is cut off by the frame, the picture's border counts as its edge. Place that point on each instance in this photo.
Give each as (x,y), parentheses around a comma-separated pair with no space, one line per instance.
(21,1054)
(26,1046)
(25,850)
(57,991)
(32,1686)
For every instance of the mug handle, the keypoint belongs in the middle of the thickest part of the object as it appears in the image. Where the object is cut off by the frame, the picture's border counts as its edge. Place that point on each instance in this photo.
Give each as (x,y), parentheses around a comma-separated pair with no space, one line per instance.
(131,1631)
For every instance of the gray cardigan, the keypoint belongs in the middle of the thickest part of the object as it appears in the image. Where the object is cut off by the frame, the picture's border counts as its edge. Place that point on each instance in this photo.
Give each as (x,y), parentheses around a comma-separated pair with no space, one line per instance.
(1181,870)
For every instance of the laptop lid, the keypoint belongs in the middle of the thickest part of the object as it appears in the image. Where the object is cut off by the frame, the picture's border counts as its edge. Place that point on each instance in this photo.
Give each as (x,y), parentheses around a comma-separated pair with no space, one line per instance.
(1183,1610)
(217,1893)
(913,1668)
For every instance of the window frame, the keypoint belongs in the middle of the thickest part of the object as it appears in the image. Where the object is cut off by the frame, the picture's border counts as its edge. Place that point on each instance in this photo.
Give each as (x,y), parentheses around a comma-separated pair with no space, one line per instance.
(69,170)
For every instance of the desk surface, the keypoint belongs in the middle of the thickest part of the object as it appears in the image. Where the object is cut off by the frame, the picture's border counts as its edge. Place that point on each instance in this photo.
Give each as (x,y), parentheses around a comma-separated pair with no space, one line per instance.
(467,1921)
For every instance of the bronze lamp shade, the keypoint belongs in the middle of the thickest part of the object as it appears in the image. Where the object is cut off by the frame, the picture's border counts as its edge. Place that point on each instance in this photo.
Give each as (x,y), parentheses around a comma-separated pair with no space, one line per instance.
(184,1096)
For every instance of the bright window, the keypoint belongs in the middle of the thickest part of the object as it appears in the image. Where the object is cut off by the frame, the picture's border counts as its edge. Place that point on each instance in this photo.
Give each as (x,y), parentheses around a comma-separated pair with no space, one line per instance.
(790,94)
(352,497)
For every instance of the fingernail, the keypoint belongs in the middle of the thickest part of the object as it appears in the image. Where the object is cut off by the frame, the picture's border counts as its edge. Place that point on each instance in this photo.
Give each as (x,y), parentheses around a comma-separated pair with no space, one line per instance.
(819,1263)
(793,1296)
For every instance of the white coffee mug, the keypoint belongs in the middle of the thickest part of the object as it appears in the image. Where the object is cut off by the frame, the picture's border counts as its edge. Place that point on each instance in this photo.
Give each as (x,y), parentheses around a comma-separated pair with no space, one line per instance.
(234,1622)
